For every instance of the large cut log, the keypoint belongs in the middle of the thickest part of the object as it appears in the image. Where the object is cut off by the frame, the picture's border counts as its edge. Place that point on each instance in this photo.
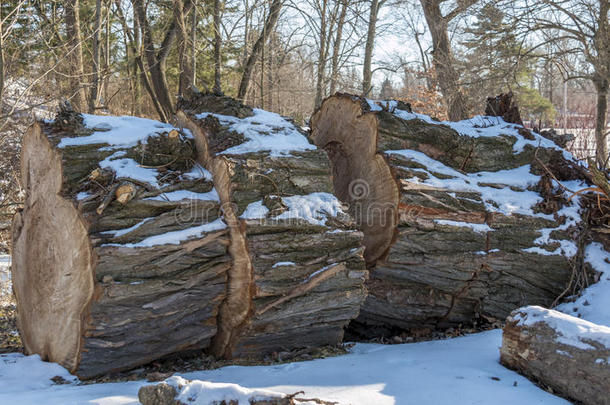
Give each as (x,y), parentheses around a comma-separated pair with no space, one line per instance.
(461,221)
(300,278)
(567,354)
(119,254)
(128,249)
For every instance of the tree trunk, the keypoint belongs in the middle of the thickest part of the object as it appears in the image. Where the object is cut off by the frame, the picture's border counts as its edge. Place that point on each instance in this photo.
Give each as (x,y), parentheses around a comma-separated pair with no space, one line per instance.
(217,49)
(95,85)
(601,134)
(367,75)
(334,75)
(75,50)
(274,14)
(440,255)
(322,53)
(567,354)
(184,63)
(442,58)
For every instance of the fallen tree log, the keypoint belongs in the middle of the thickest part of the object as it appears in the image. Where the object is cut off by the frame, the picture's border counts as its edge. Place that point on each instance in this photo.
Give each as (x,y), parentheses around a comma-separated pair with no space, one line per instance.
(302,279)
(567,354)
(128,249)
(461,222)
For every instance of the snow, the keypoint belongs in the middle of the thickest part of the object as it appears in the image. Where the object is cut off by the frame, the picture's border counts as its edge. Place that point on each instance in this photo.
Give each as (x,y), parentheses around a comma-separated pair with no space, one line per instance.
(475,127)
(255,210)
(175,237)
(594,303)
(314,208)
(120,232)
(179,195)
(205,393)
(82,195)
(480,228)
(264,132)
(570,330)
(197,172)
(121,131)
(282,264)
(130,169)
(457,371)
(504,200)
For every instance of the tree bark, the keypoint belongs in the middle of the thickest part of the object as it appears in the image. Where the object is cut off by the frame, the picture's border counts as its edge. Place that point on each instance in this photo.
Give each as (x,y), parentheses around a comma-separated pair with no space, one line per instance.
(437,256)
(95,82)
(274,14)
(75,49)
(542,345)
(217,89)
(601,135)
(334,75)
(367,75)
(442,58)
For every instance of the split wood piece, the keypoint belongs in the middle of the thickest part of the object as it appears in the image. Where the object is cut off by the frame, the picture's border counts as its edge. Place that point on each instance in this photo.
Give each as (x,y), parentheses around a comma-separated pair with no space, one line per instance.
(447,259)
(101,291)
(567,354)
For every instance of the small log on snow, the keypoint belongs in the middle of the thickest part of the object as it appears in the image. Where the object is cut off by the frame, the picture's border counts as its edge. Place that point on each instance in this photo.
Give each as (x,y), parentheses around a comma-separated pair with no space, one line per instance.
(178,391)
(119,255)
(567,354)
(460,221)
(298,273)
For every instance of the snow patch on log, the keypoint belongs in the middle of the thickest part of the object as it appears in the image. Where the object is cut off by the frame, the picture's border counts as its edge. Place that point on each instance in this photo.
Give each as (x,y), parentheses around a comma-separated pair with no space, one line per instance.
(197,392)
(180,195)
(264,132)
(176,237)
(475,127)
(124,131)
(570,330)
(127,168)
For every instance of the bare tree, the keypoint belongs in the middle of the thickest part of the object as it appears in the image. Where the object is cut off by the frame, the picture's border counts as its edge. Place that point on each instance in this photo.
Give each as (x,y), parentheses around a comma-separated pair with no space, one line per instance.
(334,74)
(367,74)
(95,84)
(270,22)
(75,49)
(217,48)
(442,56)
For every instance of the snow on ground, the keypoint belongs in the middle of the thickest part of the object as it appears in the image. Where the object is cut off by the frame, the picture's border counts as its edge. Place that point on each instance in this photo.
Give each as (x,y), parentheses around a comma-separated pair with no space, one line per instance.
(463,370)
(594,303)
(264,132)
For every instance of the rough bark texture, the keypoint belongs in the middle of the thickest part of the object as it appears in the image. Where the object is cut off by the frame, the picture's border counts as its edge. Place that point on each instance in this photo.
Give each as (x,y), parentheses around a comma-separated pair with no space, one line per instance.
(310,298)
(426,274)
(89,300)
(539,351)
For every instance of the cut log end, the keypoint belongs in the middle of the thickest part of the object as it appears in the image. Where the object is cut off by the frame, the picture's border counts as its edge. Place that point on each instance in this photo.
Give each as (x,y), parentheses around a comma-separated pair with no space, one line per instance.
(52,276)
(361,176)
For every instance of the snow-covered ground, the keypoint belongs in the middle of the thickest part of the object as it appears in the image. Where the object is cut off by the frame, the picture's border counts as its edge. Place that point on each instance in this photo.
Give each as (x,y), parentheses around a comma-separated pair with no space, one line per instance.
(462,370)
